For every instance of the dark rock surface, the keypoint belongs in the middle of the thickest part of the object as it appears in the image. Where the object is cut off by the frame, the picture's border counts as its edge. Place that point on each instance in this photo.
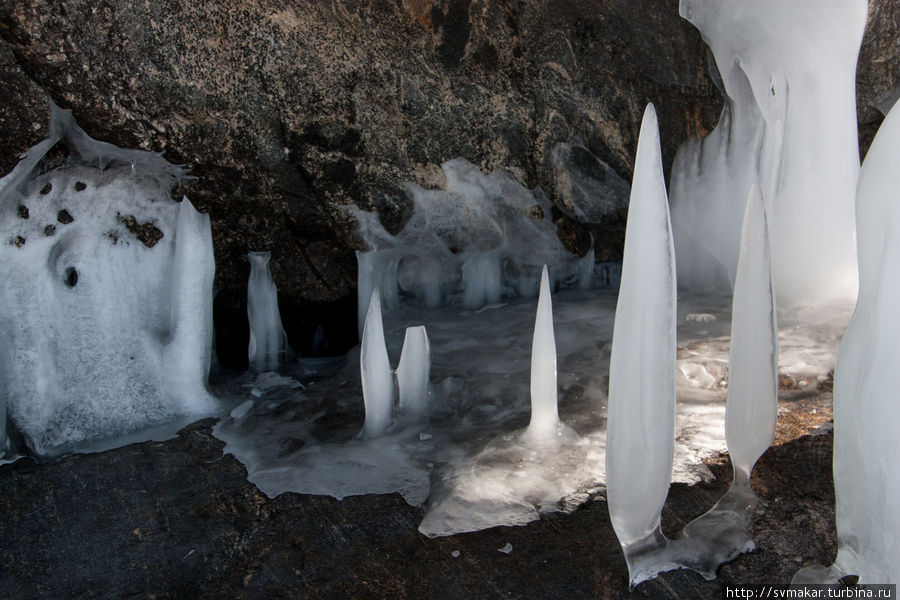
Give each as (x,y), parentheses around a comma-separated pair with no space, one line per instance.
(285,109)
(177,519)
(878,70)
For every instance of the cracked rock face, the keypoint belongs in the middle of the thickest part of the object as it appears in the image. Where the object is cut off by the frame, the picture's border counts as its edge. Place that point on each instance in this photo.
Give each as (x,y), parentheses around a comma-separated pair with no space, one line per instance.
(287,109)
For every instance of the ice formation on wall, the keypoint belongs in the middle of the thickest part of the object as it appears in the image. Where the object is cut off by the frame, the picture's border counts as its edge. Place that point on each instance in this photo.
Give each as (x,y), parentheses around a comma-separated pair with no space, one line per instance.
(481,239)
(268,342)
(375,372)
(866,409)
(641,413)
(789,122)
(106,307)
(752,406)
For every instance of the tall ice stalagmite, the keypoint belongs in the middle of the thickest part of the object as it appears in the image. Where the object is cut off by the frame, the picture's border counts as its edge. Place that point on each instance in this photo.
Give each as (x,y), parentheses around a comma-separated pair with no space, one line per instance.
(641,413)
(752,406)
(866,380)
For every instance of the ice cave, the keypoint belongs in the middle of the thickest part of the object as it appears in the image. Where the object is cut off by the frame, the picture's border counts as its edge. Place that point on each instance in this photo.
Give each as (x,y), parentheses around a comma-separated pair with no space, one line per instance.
(510,371)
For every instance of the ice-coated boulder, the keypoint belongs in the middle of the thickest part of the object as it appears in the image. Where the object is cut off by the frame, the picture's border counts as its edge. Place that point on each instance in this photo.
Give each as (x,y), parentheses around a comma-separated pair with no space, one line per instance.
(106,307)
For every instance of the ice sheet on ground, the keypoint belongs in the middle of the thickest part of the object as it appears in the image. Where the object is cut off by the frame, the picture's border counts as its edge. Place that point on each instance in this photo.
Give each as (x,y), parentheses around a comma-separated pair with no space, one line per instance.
(480,402)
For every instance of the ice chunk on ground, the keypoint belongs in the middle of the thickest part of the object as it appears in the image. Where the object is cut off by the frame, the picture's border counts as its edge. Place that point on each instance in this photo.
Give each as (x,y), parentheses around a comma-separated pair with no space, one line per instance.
(107,294)
(268,346)
(641,412)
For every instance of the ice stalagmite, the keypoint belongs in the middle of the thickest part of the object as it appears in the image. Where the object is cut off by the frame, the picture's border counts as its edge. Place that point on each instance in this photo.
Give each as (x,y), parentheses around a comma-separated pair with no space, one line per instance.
(413,372)
(795,132)
(375,371)
(752,405)
(544,416)
(866,379)
(268,342)
(641,412)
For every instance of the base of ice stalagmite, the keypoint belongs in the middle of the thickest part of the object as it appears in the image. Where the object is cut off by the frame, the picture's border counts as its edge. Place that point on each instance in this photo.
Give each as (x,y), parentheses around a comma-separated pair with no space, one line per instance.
(107,300)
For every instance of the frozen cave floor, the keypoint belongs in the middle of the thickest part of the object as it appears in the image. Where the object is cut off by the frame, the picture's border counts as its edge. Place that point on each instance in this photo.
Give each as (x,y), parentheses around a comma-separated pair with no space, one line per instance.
(178,519)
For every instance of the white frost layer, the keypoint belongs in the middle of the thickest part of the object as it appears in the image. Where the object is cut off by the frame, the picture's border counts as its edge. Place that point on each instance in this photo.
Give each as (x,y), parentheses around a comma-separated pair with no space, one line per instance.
(104,335)
(268,342)
(788,70)
(641,413)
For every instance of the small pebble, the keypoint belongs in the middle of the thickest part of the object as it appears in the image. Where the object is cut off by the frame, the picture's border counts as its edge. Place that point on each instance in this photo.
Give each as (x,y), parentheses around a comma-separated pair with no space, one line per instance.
(505,549)
(455,554)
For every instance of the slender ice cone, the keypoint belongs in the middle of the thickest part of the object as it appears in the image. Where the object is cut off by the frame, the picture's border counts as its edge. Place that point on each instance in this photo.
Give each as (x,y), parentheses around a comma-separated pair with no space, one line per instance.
(413,372)
(752,407)
(544,416)
(375,371)
(641,413)
(268,342)
(866,409)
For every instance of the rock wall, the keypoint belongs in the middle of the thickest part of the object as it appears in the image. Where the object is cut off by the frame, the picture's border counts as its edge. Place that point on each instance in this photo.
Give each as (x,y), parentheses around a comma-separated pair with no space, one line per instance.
(287,109)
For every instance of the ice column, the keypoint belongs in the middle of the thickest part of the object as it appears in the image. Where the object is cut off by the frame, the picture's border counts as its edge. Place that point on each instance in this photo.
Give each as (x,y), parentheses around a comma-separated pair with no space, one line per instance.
(268,341)
(641,412)
(375,371)
(799,59)
(544,416)
(866,380)
(752,405)
(188,352)
(413,372)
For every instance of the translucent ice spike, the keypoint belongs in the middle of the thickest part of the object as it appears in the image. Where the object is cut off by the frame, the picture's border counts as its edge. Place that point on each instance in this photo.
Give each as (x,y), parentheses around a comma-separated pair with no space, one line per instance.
(413,372)
(866,408)
(544,416)
(375,371)
(641,412)
(268,341)
(752,407)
